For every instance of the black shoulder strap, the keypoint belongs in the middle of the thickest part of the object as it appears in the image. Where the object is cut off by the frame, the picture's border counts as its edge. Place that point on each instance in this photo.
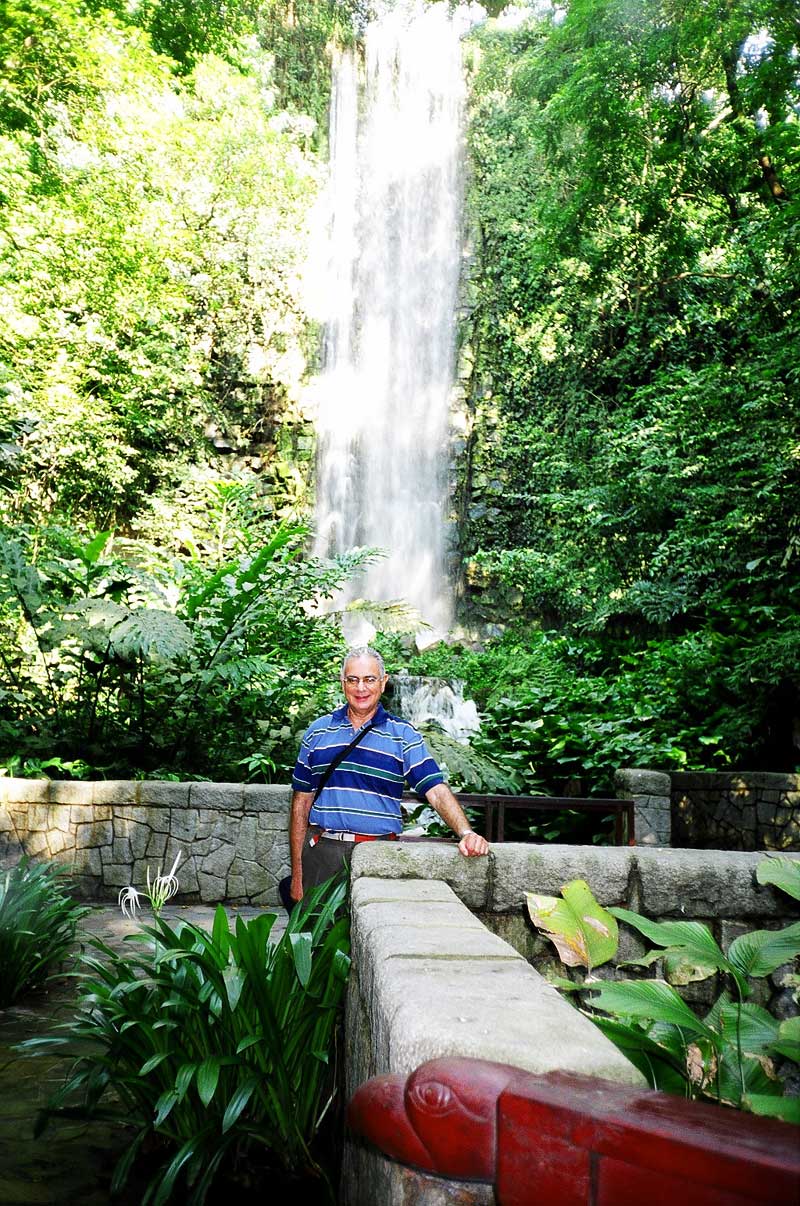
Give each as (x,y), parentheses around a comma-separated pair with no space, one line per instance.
(340,757)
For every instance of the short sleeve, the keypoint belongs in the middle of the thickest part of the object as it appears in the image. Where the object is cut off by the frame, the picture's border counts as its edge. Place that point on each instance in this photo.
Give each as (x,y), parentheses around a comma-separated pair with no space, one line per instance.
(302,776)
(422,772)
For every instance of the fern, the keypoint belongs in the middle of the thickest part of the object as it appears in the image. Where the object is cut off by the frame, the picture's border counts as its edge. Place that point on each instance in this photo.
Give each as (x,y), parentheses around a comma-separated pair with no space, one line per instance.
(244,671)
(394,615)
(147,632)
(467,769)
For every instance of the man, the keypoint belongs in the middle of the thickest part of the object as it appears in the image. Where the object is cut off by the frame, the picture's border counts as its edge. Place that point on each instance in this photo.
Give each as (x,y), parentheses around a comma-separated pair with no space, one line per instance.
(360,801)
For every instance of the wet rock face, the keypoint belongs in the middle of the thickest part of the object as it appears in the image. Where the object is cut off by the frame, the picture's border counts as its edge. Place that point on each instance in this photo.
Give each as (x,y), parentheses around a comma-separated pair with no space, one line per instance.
(233,837)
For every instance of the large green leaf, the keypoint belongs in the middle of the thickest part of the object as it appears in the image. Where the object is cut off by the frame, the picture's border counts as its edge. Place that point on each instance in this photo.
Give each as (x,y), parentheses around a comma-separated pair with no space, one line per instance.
(761,951)
(783,872)
(688,936)
(151,633)
(785,1108)
(582,931)
(650,999)
(690,950)
(747,1025)
(788,1040)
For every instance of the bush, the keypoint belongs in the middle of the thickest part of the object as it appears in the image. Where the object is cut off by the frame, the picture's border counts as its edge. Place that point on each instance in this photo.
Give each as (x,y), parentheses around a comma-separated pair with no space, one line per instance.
(219,1048)
(38,920)
(131,661)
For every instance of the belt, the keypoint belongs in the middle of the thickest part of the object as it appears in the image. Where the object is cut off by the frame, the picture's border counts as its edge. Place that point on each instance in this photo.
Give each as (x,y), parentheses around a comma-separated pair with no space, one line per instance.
(342,835)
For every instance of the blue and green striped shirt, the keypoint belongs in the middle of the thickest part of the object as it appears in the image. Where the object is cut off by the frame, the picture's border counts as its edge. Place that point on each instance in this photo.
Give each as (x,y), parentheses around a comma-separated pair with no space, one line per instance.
(363,794)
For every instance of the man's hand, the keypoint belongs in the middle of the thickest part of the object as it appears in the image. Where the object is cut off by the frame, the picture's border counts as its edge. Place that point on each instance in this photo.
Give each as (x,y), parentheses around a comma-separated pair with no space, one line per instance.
(472,844)
(442,799)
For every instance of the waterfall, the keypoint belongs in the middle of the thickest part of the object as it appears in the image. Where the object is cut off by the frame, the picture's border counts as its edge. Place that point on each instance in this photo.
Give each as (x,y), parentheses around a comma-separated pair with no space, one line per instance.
(391,293)
(422,699)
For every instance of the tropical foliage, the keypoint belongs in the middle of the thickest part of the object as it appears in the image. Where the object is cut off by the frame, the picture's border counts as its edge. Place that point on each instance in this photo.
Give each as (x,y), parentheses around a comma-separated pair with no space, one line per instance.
(633,463)
(732,1054)
(219,1048)
(627,497)
(124,657)
(38,922)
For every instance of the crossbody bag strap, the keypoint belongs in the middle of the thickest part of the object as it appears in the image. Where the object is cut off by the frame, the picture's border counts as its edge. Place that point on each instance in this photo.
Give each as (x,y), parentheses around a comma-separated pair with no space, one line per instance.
(340,757)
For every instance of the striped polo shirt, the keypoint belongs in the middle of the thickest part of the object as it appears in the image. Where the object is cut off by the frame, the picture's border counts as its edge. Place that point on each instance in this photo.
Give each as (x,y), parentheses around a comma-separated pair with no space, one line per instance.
(363,794)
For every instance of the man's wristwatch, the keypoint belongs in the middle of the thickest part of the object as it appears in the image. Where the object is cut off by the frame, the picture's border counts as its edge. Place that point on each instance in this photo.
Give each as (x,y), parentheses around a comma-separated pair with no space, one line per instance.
(465,833)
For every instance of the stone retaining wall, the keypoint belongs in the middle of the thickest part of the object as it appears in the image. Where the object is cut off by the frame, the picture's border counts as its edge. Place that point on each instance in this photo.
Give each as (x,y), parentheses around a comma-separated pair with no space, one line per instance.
(428,979)
(716,887)
(747,810)
(233,836)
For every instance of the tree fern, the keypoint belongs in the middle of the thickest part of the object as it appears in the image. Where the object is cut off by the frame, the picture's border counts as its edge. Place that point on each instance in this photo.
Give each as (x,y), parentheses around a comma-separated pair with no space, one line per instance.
(467,769)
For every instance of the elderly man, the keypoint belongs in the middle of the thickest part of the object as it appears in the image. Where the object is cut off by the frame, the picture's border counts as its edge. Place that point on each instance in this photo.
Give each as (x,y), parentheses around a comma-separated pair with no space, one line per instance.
(372,755)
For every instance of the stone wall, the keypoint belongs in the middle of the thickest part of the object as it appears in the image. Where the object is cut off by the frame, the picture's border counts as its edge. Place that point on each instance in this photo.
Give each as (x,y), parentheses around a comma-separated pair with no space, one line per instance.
(736,811)
(428,979)
(233,837)
(716,887)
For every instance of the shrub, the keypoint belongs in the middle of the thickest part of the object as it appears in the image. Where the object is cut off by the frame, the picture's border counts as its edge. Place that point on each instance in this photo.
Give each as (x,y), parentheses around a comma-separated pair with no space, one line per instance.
(218,1048)
(728,1056)
(38,920)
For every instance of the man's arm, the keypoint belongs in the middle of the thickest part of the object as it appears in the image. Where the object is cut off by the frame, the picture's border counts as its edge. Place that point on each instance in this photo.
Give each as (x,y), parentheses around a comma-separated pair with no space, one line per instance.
(298,827)
(442,799)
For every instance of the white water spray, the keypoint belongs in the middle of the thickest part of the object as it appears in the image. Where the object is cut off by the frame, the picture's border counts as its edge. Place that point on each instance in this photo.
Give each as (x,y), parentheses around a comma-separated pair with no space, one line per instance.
(391,294)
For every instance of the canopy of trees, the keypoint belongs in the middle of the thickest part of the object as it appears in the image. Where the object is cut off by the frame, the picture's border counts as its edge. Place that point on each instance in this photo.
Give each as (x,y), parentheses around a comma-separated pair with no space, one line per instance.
(629,486)
(633,471)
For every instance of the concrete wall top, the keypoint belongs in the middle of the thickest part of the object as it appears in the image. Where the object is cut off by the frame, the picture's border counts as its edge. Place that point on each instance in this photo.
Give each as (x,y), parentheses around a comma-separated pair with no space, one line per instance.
(150,793)
(657,882)
(436,982)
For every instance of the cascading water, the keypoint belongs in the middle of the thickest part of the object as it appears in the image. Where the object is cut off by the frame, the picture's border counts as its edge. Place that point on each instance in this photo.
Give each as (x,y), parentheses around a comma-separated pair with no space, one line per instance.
(421,700)
(392,285)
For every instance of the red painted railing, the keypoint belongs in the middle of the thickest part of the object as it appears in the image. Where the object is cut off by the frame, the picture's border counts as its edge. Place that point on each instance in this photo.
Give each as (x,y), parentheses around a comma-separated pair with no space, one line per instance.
(568,1140)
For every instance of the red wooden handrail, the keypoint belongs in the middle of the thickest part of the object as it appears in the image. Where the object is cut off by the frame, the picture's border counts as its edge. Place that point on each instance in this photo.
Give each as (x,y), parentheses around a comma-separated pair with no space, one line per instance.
(569,1140)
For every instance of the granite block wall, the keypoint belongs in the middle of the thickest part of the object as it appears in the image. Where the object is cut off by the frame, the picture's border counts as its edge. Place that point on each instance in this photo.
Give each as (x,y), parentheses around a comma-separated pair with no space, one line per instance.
(233,836)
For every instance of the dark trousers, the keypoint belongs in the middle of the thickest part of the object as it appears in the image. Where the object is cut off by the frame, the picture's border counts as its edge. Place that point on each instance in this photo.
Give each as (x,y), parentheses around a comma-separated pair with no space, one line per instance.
(322,860)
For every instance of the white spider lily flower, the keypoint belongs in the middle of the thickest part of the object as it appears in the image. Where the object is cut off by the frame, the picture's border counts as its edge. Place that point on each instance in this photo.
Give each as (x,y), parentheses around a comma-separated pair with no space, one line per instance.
(129,901)
(163,887)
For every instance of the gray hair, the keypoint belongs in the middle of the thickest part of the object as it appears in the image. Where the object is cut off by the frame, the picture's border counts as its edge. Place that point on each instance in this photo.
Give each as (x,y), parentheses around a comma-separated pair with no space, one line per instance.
(363,651)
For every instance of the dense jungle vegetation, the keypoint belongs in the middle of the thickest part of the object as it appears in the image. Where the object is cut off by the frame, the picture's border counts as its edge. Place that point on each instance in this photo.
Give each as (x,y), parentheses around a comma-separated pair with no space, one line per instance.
(628,491)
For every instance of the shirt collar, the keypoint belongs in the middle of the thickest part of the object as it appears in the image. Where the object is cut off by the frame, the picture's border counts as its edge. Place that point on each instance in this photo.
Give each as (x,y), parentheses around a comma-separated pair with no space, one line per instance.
(341,717)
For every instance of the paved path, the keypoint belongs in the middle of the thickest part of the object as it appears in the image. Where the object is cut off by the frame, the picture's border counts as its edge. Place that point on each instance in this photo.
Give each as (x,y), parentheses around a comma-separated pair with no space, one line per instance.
(72,1162)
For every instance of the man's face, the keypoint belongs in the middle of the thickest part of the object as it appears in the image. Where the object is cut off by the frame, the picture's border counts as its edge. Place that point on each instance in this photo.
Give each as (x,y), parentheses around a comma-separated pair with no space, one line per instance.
(362,696)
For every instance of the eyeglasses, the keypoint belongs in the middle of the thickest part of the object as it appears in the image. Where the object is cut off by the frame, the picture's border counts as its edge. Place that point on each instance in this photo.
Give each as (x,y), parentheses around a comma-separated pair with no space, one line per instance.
(369,680)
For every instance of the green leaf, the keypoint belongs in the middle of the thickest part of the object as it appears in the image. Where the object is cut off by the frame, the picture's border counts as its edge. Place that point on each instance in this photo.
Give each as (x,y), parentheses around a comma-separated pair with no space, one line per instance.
(208,1078)
(761,951)
(164,1106)
(650,999)
(237,1103)
(301,953)
(184,1079)
(689,946)
(153,1062)
(747,1024)
(785,1108)
(788,1040)
(582,931)
(657,1063)
(94,548)
(783,872)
